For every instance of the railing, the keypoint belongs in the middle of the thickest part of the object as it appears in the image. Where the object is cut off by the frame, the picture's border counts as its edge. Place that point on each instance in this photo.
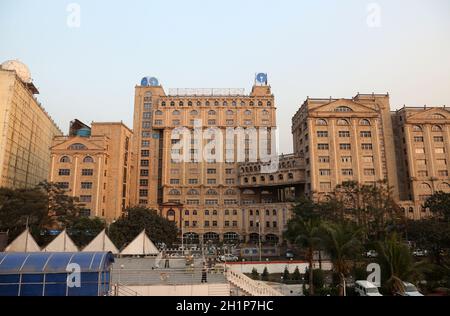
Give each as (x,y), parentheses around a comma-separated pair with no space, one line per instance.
(250,286)
(121,290)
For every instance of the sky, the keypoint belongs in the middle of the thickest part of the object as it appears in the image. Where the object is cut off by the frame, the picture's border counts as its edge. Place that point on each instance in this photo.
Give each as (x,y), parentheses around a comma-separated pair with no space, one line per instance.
(86,65)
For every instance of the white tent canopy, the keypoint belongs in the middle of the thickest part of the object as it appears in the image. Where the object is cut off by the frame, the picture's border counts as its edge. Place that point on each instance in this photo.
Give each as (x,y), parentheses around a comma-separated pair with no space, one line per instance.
(62,243)
(141,245)
(23,243)
(101,243)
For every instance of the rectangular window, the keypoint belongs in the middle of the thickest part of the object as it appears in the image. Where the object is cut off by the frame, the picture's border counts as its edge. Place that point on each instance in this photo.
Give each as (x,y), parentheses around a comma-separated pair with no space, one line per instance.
(206,223)
(87,172)
(325,186)
(193,202)
(443,173)
(420,150)
(143,193)
(439,150)
(442,162)
(146,125)
(85,198)
(346,159)
(438,139)
(229,202)
(146,134)
(323,146)
(193,181)
(143,182)
(144,163)
(144,172)
(147,115)
(211,181)
(365,134)
(145,143)
(344,134)
(366,146)
(422,162)
(174,181)
(367,159)
(229,171)
(345,146)
(325,172)
(324,159)
(64,172)
(418,139)
(229,181)
(322,134)
(86,185)
(145,153)
(369,172)
(422,173)
(347,172)
(211,171)
(158,122)
(63,185)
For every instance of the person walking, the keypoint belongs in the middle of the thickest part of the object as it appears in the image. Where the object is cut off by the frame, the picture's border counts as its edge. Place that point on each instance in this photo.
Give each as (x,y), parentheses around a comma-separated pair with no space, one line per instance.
(166,263)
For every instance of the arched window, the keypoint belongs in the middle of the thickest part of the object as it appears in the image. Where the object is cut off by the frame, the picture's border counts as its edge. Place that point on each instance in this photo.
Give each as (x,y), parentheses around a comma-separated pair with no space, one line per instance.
(252,103)
(343,109)
(88,159)
(77,146)
(438,116)
(444,187)
(265,112)
(158,113)
(234,103)
(181,103)
(211,192)
(193,192)
(280,177)
(174,192)
(211,112)
(172,103)
(207,103)
(190,103)
(163,103)
(248,112)
(230,112)
(260,103)
(64,159)
(230,192)
(417,128)
(248,192)
(436,128)
(342,122)
(171,215)
(269,103)
(425,187)
(321,122)
(148,94)
(225,103)
(199,103)
(364,122)
(176,112)
(194,112)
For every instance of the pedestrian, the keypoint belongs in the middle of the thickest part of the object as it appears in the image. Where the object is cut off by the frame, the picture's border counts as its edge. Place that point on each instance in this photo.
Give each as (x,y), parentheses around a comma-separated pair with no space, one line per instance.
(166,263)
(204,273)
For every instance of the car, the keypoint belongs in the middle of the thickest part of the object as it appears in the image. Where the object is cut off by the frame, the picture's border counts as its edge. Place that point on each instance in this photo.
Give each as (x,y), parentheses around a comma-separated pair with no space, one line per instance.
(289,254)
(366,288)
(410,290)
(420,253)
(371,254)
(229,258)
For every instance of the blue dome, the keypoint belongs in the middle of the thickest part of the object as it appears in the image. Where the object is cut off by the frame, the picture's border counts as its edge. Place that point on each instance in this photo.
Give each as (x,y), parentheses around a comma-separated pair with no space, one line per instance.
(84,132)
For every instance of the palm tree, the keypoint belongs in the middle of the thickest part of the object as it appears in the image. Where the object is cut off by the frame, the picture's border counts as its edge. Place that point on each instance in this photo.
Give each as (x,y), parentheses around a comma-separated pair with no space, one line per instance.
(305,232)
(342,241)
(397,264)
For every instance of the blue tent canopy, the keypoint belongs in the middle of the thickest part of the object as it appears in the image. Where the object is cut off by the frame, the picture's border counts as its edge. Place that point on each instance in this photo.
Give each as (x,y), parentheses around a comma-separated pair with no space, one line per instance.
(46,273)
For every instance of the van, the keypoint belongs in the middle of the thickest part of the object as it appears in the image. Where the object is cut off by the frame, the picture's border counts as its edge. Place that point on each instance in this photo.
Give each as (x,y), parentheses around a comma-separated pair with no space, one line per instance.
(366,288)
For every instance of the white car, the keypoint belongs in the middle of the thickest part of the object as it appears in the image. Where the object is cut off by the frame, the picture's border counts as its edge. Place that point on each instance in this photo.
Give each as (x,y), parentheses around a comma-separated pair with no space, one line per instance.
(366,288)
(229,258)
(410,290)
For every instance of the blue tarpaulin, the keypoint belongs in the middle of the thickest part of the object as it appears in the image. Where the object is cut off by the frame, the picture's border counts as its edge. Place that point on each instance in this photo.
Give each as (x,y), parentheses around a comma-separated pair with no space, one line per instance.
(47,273)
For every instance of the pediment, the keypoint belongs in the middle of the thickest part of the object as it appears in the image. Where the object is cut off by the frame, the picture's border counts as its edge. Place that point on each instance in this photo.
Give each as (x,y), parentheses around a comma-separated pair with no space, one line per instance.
(354,106)
(90,145)
(431,114)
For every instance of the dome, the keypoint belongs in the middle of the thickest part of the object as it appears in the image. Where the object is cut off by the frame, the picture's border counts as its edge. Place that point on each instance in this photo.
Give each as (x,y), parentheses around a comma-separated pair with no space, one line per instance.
(20,68)
(84,132)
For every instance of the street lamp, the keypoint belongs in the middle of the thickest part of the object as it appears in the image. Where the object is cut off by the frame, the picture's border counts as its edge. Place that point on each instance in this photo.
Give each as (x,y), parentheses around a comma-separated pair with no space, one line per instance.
(259,239)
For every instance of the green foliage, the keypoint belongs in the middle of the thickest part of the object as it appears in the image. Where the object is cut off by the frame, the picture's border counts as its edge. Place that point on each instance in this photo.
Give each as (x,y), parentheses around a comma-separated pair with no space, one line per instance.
(265,275)
(136,219)
(296,276)
(286,275)
(439,205)
(255,274)
(83,229)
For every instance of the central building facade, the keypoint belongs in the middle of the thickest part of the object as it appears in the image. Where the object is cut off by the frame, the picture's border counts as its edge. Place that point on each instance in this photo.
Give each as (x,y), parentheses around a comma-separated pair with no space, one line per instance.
(203,196)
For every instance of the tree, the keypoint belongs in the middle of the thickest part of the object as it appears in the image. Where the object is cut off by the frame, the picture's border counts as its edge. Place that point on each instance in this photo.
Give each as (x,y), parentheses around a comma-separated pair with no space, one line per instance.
(265,275)
(255,274)
(296,276)
(303,230)
(286,275)
(83,229)
(397,264)
(136,219)
(439,205)
(342,241)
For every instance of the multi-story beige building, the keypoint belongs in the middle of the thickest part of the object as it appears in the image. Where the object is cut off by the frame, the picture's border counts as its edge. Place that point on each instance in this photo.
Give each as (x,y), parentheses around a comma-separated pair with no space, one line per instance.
(26,129)
(361,140)
(422,138)
(202,196)
(345,140)
(94,164)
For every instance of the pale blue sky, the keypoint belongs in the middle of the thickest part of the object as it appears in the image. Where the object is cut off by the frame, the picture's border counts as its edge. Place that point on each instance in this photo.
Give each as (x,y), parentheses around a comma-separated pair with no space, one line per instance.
(317,48)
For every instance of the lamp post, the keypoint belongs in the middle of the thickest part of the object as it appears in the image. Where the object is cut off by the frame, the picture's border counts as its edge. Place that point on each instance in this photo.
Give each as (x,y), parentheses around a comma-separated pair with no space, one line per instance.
(259,239)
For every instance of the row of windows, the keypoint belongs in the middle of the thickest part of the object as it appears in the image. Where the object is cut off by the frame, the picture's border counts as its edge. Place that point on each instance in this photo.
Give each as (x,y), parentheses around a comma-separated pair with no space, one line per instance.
(345,134)
(344,146)
(434,128)
(421,150)
(273,224)
(195,112)
(66,159)
(83,185)
(347,172)
(196,192)
(424,173)
(323,122)
(290,176)
(345,159)
(84,172)
(437,139)
(216,103)
(210,122)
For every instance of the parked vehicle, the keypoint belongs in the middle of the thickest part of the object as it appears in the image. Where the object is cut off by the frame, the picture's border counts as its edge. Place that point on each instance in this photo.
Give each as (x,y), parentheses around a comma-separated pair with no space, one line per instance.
(420,253)
(366,288)
(410,290)
(289,254)
(371,254)
(229,258)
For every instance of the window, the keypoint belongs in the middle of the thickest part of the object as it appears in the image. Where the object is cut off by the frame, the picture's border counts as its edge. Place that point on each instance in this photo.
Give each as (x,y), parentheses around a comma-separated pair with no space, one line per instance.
(64,159)
(193,181)
(442,162)
(443,173)
(324,159)
(367,159)
(346,159)
(436,128)
(366,146)
(365,134)
(343,109)
(321,122)
(211,122)
(146,125)
(211,202)
(345,146)
(211,171)
(147,106)
(347,172)
(144,162)
(85,198)
(342,122)
(211,192)
(145,143)
(158,122)
(440,150)
(364,122)
(174,192)
(87,172)
(174,181)
(147,115)
(145,153)
(63,185)
(420,150)
(143,192)
(417,128)
(422,173)
(144,172)
(422,162)
(86,185)
(325,172)
(418,139)
(192,202)
(344,134)
(325,186)
(437,116)
(323,146)
(322,134)
(77,146)
(211,181)
(143,182)
(229,181)
(369,172)
(64,172)
(438,139)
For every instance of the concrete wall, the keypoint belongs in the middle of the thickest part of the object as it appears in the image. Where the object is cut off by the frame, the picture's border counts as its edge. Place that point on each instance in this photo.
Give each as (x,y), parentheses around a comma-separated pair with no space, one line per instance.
(276,267)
